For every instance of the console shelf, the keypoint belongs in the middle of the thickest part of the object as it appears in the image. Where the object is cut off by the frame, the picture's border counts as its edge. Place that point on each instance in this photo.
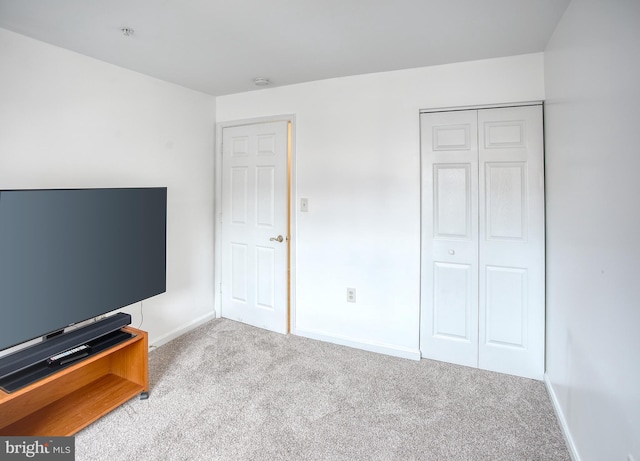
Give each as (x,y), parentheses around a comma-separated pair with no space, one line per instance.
(73,398)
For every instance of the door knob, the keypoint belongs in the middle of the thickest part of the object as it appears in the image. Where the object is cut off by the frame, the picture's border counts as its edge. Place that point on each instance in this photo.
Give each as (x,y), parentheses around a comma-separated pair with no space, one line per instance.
(279,238)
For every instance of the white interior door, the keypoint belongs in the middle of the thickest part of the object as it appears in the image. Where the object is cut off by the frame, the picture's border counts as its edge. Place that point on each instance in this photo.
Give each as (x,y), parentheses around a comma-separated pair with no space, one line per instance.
(482,259)
(511,253)
(449,320)
(254,225)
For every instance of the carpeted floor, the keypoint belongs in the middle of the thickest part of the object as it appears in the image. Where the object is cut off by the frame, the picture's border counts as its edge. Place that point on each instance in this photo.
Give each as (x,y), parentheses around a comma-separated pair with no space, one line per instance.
(227,391)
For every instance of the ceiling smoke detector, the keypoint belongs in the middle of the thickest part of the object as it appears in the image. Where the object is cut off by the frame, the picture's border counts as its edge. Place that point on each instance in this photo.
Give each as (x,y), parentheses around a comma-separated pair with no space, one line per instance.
(261,81)
(127,31)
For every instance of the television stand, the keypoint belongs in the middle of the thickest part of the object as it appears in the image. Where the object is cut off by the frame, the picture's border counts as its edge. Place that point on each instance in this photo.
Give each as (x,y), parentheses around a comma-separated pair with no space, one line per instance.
(65,402)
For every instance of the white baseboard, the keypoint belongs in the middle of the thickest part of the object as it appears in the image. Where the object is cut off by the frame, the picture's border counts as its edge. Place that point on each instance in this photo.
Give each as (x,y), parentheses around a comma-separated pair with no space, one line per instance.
(157,342)
(573,452)
(396,351)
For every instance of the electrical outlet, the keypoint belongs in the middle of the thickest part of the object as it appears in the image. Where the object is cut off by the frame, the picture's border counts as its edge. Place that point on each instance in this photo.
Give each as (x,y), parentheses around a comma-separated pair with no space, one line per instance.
(351,295)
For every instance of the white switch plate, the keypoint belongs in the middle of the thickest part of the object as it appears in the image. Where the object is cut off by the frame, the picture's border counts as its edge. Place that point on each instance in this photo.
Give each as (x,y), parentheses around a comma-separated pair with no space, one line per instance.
(351,295)
(304,205)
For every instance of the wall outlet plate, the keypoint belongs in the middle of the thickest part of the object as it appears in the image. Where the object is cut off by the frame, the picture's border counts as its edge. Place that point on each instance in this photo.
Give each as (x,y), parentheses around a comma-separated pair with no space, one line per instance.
(351,295)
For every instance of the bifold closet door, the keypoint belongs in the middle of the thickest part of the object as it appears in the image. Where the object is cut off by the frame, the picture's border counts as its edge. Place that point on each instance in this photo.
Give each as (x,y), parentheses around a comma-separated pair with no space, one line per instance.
(449,319)
(511,251)
(482,257)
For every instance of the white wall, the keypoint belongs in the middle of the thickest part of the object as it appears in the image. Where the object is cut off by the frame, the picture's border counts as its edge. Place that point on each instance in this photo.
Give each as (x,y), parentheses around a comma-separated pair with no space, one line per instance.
(592,121)
(71,121)
(358,162)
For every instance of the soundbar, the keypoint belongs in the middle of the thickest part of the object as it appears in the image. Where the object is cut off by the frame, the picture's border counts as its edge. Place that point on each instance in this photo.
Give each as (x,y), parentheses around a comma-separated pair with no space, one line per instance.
(40,352)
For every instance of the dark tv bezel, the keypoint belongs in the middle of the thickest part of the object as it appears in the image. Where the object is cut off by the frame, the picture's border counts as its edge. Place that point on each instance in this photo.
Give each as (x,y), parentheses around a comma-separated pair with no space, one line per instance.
(51,334)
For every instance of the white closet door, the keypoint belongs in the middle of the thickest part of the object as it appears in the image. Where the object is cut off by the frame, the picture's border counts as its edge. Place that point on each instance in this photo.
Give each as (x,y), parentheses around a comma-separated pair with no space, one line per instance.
(482,292)
(449,319)
(511,251)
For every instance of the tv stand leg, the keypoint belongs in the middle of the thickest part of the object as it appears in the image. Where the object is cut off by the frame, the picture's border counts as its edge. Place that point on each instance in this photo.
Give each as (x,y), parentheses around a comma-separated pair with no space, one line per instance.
(144,395)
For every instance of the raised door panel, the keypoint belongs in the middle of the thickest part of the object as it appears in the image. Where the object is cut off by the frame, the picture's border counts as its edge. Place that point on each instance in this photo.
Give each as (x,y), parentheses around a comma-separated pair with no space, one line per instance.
(504,133)
(452,136)
(239,146)
(265,280)
(452,301)
(507,305)
(506,201)
(265,197)
(239,272)
(239,194)
(452,201)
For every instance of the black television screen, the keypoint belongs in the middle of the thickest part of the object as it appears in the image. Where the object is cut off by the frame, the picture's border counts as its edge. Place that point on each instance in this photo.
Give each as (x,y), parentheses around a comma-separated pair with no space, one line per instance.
(69,255)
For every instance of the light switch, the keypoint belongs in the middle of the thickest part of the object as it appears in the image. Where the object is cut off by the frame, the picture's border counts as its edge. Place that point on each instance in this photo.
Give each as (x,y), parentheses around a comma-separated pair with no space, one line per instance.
(304,205)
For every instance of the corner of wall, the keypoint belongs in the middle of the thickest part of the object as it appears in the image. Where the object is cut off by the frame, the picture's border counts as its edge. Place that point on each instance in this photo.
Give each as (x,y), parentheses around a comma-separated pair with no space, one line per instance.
(573,451)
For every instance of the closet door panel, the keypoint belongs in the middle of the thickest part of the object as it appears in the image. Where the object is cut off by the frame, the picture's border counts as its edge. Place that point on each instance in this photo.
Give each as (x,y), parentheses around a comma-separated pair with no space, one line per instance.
(511,241)
(449,259)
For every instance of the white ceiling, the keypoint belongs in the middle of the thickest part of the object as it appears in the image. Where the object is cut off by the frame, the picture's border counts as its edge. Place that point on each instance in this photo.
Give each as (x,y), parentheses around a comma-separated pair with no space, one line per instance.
(219,46)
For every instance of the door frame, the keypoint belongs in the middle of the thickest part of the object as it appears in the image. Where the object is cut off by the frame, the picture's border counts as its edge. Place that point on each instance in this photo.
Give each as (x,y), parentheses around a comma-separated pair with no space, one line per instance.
(481,106)
(291,211)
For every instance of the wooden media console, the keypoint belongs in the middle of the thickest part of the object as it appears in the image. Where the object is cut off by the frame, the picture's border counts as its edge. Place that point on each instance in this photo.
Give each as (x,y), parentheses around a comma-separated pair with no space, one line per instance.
(65,402)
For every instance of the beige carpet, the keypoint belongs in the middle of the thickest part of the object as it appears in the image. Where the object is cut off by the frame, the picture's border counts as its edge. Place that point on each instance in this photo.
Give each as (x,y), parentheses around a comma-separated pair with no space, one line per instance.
(227,391)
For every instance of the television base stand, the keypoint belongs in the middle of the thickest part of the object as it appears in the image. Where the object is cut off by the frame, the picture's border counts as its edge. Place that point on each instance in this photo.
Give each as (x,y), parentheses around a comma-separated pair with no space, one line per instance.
(73,397)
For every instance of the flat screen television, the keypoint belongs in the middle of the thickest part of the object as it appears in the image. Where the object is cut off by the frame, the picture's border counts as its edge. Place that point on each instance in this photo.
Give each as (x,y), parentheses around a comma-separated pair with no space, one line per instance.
(69,255)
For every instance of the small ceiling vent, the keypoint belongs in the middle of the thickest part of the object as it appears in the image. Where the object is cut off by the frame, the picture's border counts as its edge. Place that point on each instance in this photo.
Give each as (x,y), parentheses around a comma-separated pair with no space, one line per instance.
(261,81)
